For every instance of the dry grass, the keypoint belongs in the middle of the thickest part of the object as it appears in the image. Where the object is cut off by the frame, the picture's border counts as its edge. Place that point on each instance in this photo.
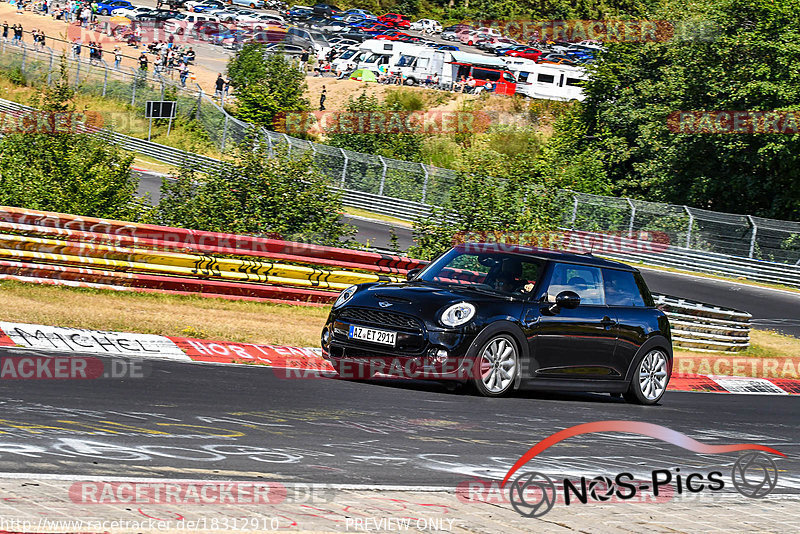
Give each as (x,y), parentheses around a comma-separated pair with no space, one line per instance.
(206,318)
(763,344)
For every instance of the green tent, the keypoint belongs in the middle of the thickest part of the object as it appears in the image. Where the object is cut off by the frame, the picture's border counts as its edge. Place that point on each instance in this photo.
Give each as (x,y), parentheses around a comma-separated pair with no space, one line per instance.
(364,75)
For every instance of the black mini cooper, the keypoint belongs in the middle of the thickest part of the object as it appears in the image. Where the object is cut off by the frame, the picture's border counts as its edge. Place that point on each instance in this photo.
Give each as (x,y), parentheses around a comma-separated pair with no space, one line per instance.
(504,317)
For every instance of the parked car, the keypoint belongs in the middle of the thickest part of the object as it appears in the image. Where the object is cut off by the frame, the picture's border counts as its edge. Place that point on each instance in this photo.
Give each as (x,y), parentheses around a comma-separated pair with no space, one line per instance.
(395,20)
(105,8)
(505,318)
(183,21)
(427,26)
(450,33)
(525,53)
(556,59)
(326,10)
(470,37)
(131,12)
(252,4)
(204,5)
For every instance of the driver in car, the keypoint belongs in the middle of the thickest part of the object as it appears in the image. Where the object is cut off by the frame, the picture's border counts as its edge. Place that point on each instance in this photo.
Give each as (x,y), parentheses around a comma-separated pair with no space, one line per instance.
(509,278)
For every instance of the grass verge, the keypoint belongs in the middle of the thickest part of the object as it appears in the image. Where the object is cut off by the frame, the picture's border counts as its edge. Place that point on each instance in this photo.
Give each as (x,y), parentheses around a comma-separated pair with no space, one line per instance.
(239,321)
(206,318)
(763,344)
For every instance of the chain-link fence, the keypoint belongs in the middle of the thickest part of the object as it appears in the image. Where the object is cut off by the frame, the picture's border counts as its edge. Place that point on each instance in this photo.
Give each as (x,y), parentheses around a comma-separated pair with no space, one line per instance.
(682,226)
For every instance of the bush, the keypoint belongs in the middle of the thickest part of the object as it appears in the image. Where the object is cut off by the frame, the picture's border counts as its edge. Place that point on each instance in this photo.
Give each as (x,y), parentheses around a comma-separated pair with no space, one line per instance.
(256,194)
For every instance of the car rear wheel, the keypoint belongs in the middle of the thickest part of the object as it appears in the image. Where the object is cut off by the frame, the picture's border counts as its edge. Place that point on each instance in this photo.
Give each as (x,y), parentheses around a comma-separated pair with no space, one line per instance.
(497,366)
(649,382)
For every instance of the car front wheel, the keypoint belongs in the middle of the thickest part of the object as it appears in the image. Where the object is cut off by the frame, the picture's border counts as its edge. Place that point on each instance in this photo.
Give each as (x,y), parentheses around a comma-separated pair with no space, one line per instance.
(649,382)
(497,366)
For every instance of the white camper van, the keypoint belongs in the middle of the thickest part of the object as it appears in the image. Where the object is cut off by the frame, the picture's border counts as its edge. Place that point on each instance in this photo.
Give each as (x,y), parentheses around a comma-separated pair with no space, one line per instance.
(547,81)
(382,55)
(417,66)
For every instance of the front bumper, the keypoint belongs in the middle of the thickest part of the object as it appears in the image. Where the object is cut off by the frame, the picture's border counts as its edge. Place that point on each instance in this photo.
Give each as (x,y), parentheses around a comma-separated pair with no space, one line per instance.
(423,353)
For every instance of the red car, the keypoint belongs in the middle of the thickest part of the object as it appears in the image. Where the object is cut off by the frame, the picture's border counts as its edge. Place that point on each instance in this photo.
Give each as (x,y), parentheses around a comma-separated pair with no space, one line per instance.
(391,36)
(395,20)
(526,53)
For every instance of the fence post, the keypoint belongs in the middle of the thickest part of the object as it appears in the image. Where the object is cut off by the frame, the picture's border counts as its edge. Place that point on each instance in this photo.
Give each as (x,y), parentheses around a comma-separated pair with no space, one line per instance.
(224,133)
(288,142)
(425,183)
(344,168)
(133,91)
(50,68)
(105,80)
(633,216)
(24,54)
(574,212)
(383,176)
(691,225)
(753,237)
(271,150)
(78,73)
(199,103)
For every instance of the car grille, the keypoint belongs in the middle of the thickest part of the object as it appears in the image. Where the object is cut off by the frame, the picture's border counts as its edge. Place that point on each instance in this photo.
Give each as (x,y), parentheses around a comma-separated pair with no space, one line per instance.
(382,318)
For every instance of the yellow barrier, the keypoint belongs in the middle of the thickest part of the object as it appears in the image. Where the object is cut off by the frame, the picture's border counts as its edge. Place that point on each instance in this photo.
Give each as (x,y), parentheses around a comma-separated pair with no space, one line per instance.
(121,258)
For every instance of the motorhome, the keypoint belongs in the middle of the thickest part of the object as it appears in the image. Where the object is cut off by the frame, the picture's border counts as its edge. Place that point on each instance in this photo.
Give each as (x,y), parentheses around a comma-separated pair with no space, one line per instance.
(550,82)
(452,65)
(383,55)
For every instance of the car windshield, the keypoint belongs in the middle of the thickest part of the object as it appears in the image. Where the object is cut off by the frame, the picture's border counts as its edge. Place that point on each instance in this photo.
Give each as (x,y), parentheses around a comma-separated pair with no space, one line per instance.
(486,269)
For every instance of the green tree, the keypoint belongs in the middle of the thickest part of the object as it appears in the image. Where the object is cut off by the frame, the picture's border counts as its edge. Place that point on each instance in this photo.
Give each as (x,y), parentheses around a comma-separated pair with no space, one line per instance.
(749,63)
(266,85)
(518,209)
(64,171)
(256,194)
(406,146)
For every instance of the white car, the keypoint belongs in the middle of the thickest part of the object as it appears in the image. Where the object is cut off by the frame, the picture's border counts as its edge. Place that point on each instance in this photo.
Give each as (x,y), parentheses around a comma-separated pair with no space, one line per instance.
(179,24)
(427,26)
(131,12)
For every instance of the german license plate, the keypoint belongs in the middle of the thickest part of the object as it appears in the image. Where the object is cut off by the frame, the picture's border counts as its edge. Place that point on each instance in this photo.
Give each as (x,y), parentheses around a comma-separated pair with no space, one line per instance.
(383,337)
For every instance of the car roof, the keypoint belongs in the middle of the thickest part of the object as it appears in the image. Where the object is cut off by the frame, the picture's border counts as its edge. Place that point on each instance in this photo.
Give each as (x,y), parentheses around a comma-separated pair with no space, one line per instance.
(547,254)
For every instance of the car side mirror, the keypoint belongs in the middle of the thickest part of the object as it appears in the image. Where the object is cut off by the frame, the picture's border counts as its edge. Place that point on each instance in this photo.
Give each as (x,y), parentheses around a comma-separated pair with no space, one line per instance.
(412,273)
(568,300)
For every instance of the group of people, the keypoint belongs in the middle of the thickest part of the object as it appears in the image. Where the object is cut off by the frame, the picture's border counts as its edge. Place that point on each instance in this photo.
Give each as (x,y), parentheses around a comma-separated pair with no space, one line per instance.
(15,31)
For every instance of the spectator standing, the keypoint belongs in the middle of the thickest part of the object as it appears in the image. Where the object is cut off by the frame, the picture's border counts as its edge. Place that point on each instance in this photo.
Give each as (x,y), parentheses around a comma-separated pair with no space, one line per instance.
(76,48)
(183,69)
(5,31)
(143,62)
(220,86)
(322,98)
(117,57)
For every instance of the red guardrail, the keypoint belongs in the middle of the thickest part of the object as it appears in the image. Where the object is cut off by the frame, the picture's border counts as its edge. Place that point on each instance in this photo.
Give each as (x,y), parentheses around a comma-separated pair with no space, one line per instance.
(79,231)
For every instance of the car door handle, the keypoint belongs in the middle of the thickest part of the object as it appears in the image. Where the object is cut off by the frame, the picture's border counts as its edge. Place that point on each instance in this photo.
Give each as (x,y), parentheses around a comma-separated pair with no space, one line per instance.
(607,321)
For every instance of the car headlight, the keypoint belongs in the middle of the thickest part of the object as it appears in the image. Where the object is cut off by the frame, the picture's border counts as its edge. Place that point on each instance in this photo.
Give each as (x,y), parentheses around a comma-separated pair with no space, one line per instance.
(345,295)
(458,314)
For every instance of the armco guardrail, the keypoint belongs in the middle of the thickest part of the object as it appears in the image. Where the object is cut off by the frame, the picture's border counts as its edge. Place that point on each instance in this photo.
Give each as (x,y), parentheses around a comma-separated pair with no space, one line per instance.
(67,249)
(703,327)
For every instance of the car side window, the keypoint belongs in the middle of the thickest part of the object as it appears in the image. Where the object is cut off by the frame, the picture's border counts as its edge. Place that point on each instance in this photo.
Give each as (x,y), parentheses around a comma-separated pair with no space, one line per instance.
(587,282)
(621,288)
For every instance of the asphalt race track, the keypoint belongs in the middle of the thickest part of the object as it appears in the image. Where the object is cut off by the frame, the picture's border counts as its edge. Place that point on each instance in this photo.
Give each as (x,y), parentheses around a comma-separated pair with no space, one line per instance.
(245,422)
